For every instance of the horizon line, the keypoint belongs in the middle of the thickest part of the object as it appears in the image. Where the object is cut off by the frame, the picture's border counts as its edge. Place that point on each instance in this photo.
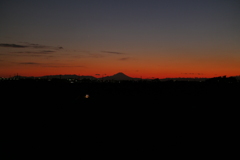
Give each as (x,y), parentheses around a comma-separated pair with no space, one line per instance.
(79,75)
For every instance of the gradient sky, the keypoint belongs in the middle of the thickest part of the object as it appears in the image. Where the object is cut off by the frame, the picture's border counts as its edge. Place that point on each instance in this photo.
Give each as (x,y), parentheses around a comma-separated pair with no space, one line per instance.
(148,38)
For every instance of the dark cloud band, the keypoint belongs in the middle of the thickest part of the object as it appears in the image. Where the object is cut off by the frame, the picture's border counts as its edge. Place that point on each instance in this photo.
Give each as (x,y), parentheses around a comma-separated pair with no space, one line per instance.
(12,45)
(40,52)
(28,45)
(29,63)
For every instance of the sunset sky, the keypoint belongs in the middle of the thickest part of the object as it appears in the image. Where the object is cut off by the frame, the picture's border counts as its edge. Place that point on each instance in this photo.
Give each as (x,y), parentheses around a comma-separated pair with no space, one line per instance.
(148,38)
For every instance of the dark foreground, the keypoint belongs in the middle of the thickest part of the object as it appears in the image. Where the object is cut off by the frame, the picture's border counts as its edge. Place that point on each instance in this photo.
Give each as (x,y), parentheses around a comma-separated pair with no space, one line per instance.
(54,119)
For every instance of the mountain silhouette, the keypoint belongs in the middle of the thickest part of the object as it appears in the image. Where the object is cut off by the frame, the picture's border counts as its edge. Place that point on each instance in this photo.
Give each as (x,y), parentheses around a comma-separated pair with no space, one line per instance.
(118,76)
(122,76)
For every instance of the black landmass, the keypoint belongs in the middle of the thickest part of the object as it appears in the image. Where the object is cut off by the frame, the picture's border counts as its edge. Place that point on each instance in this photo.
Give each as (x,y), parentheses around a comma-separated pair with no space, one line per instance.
(120,76)
(53,118)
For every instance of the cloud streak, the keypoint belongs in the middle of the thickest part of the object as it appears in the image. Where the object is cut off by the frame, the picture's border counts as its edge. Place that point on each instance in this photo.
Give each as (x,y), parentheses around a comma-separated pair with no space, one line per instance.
(29,49)
(62,66)
(40,52)
(28,45)
(111,52)
(38,46)
(29,63)
(12,45)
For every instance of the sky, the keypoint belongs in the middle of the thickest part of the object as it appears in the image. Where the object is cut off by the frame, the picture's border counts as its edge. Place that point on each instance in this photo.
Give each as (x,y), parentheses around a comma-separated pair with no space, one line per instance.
(141,38)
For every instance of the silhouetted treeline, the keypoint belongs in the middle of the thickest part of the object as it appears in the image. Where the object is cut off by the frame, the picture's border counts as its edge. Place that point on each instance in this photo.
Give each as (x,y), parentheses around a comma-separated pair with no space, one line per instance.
(42,116)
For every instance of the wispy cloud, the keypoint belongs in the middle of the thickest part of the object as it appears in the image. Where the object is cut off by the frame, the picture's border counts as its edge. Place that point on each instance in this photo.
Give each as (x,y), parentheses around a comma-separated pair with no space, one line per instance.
(111,52)
(26,49)
(12,45)
(28,45)
(29,63)
(61,66)
(47,51)
(39,52)
(86,54)
(39,46)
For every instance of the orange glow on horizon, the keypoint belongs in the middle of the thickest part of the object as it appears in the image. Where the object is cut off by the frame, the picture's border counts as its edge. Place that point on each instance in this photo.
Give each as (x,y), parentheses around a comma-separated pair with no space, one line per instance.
(131,73)
(144,66)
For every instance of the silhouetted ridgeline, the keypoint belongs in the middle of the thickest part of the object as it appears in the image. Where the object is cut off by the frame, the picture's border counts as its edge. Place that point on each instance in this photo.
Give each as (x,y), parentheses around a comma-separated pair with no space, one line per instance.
(42,116)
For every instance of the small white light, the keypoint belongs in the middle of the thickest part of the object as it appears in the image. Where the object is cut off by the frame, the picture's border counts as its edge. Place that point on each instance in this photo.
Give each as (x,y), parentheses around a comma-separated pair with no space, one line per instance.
(86,96)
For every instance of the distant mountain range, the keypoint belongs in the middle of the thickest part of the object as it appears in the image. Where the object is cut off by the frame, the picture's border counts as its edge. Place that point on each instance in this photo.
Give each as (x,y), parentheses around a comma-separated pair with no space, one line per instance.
(119,76)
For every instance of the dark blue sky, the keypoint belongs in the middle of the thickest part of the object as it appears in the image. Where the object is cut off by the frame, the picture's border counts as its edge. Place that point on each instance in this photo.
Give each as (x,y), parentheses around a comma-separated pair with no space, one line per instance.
(161,37)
